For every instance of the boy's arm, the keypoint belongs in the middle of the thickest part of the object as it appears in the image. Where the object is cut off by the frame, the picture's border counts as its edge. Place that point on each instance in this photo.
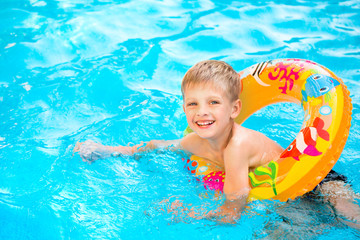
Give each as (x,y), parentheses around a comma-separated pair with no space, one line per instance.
(90,151)
(236,187)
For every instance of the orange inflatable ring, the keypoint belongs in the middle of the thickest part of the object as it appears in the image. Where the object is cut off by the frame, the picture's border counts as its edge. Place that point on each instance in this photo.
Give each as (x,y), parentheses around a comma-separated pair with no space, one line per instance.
(315,150)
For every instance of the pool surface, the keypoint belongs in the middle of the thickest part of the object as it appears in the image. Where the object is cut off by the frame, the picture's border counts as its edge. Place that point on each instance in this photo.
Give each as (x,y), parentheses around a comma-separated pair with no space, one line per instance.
(110,71)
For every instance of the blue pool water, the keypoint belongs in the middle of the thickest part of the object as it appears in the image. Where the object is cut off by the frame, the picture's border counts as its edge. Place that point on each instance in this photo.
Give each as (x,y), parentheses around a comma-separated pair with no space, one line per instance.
(110,71)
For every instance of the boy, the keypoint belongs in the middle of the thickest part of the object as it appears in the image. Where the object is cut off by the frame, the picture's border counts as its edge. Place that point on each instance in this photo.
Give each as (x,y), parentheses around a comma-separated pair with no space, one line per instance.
(210,91)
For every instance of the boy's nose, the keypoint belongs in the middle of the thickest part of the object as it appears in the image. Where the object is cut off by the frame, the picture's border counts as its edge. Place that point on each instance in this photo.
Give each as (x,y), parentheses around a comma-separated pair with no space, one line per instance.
(203,110)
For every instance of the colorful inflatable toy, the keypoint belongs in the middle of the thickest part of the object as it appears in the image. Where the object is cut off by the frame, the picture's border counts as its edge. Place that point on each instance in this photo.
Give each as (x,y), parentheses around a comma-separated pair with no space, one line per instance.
(310,157)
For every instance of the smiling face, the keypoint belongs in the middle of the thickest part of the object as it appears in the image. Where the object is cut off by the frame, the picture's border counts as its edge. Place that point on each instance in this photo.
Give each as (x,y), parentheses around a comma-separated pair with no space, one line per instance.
(209,112)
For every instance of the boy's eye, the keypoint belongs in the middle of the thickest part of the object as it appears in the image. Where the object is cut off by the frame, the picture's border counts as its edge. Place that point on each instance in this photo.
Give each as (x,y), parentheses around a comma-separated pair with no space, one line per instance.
(191,104)
(214,102)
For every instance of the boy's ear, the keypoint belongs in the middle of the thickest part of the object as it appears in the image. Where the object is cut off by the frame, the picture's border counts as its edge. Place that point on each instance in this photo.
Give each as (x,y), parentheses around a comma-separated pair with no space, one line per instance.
(236,109)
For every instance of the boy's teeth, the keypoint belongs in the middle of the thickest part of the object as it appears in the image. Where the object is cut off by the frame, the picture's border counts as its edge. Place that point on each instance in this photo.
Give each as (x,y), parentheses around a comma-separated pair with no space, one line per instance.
(205,123)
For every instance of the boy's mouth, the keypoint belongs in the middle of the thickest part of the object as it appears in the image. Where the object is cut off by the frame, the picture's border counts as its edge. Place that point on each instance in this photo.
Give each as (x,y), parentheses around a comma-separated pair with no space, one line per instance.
(204,123)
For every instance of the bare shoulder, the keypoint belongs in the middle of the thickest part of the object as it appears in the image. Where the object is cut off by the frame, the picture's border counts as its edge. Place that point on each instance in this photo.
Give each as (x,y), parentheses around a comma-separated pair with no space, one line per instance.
(191,143)
(255,146)
(242,140)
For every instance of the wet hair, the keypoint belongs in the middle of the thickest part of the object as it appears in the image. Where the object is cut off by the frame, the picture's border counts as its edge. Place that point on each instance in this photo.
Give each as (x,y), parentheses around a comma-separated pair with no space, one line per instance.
(216,73)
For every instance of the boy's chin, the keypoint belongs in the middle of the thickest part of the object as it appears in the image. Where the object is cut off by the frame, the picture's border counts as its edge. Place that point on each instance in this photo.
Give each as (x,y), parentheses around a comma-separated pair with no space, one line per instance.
(205,135)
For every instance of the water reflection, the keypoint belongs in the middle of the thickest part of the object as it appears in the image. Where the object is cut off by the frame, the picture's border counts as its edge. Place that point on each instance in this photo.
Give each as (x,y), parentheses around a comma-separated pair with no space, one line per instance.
(73,70)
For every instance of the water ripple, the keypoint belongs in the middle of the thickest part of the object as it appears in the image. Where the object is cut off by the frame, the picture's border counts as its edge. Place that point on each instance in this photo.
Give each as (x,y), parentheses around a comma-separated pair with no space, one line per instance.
(108,71)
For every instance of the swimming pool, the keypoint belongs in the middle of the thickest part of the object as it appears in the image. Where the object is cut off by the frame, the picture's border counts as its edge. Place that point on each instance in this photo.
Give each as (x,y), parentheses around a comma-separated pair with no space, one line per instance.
(110,71)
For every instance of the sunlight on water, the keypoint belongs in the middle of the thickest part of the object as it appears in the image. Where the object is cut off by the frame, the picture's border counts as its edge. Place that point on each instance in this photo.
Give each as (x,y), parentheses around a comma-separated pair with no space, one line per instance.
(110,71)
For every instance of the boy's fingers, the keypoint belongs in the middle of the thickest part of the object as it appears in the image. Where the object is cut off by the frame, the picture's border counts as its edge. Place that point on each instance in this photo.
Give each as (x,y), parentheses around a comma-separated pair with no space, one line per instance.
(83,158)
(95,156)
(86,158)
(77,147)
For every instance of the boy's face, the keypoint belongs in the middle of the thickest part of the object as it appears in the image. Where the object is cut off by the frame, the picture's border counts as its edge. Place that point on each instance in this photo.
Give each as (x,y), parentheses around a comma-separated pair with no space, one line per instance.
(208,110)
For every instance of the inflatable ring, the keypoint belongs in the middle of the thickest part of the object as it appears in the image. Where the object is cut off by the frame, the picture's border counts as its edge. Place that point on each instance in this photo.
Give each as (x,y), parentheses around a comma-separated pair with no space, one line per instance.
(315,150)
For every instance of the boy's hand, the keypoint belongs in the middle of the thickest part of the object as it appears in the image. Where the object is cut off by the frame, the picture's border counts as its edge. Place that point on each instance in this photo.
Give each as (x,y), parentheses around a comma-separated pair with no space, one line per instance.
(90,151)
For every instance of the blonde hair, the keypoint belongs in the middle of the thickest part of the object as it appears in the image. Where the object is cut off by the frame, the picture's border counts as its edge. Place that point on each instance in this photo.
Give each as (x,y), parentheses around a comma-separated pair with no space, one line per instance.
(218,73)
